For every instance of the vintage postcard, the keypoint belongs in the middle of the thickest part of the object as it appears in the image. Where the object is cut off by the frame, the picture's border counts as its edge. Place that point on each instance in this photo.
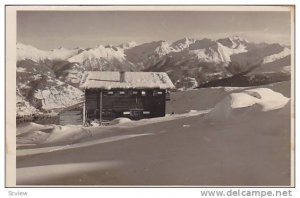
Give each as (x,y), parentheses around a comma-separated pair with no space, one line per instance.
(150,96)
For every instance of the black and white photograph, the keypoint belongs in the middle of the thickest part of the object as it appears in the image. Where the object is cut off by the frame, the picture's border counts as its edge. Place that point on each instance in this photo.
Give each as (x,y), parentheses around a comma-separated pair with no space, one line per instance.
(130,96)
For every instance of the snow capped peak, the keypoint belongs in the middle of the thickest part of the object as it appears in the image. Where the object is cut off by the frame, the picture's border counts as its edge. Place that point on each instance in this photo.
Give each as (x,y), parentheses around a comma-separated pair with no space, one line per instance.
(209,50)
(109,46)
(61,53)
(29,52)
(237,38)
(25,46)
(132,44)
(97,46)
(163,49)
(182,43)
(233,41)
(164,43)
(107,52)
(202,44)
(128,45)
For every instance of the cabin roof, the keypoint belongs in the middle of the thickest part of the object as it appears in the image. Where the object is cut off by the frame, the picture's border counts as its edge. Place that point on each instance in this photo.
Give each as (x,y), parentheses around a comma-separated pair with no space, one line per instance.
(132,80)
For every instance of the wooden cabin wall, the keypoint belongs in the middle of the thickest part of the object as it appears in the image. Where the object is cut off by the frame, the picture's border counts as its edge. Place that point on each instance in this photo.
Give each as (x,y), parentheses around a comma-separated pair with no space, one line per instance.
(92,103)
(114,105)
(73,117)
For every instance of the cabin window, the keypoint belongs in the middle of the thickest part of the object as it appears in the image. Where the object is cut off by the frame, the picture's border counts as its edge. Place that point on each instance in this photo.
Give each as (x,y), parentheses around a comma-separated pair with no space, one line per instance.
(122,92)
(143,93)
(155,93)
(107,112)
(108,93)
(126,113)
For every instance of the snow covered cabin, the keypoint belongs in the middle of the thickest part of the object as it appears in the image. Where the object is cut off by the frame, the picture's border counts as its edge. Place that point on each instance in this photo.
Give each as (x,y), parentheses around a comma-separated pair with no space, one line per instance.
(134,95)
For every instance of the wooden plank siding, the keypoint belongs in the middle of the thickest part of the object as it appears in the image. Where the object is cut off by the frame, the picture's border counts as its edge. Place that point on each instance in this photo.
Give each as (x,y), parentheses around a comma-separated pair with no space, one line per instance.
(116,102)
(73,117)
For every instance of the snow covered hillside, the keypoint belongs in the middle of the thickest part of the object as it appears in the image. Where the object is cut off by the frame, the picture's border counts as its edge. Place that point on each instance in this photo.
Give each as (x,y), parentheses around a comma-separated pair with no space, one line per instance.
(210,142)
(28,52)
(39,92)
(102,58)
(208,60)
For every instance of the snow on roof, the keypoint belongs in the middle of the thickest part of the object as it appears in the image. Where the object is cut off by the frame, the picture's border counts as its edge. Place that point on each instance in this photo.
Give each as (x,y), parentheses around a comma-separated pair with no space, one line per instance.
(135,80)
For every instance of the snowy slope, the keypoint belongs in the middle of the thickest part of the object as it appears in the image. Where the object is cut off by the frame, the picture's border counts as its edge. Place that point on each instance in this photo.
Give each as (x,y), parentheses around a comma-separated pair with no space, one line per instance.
(204,60)
(29,52)
(70,73)
(100,51)
(233,42)
(147,54)
(24,108)
(208,50)
(60,96)
(39,92)
(108,58)
(62,53)
(182,44)
(271,58)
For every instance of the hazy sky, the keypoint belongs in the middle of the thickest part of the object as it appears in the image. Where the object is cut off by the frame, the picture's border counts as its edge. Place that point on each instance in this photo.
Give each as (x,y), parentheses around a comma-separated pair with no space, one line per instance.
(52,29)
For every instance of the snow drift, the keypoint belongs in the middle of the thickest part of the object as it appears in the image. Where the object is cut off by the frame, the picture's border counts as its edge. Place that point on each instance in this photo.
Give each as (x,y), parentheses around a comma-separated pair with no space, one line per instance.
(238,104)
(119,121)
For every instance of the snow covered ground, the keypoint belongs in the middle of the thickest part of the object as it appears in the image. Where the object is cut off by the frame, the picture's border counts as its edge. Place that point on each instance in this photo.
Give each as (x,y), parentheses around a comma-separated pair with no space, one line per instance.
(216,136)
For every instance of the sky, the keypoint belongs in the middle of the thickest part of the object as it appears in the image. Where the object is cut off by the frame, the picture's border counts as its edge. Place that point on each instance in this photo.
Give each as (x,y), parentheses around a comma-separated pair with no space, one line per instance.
(52,29)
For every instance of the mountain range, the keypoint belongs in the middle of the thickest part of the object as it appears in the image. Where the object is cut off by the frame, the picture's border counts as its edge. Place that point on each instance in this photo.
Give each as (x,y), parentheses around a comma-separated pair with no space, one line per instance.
(48,81)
